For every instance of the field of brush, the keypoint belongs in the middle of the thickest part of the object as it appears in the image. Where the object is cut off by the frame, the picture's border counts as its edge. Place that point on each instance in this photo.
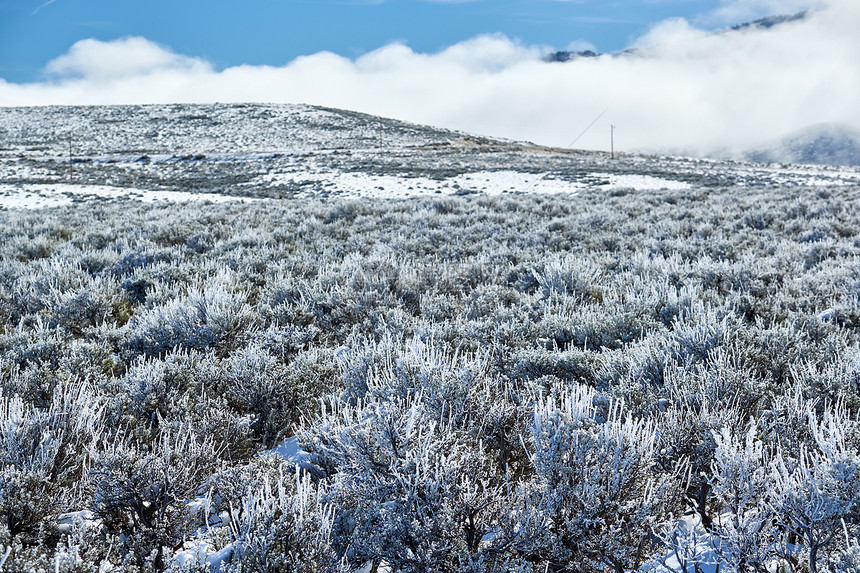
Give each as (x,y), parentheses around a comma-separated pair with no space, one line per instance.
(482,356)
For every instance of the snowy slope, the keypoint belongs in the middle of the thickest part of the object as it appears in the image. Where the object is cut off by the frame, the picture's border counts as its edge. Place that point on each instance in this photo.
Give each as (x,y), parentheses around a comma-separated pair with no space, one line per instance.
(276,151)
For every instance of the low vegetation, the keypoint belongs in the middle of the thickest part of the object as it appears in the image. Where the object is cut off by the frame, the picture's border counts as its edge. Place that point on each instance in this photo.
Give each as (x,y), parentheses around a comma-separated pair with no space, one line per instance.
(506,384)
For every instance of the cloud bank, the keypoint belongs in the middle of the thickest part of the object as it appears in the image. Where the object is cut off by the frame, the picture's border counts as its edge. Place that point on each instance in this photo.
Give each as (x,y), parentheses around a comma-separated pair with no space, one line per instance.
(681,89)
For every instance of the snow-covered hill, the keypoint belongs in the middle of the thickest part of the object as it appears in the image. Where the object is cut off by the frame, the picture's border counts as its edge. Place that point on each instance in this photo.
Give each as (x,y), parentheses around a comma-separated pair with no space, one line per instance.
(272,151)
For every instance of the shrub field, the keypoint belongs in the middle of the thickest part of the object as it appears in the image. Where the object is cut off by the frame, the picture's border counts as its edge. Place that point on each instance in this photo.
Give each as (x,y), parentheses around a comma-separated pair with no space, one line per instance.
(607,382)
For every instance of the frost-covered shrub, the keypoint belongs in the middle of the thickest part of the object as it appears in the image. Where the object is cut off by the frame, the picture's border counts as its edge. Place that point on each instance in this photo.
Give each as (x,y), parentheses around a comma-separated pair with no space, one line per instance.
(289,301)
(814,494)
(31,249)
(688,547)
(590,327)
(595,498)
(174,387)
(786,502)
(209,318)
(837,380)
(572,276)
(38,285)
(140,257)
(741,484)
(410,483)
(141,493)
(78,311)
(183,386)
(847,560)
(726,380)
(572,365)
(697,333)
(687,425)
(70,554)
(255,381)
(34,358)
(44,455)
(276,520)
(311,374)
(638,373)
(696,358)
(406,491)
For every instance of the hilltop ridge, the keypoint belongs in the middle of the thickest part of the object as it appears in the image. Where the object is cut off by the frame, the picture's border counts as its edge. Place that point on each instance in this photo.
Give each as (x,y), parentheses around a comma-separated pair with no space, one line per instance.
(278,151)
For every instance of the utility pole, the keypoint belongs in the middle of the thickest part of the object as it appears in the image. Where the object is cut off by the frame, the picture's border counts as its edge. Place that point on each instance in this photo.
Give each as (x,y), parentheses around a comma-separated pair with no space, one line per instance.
(71,169)
(612,140)
(380,139)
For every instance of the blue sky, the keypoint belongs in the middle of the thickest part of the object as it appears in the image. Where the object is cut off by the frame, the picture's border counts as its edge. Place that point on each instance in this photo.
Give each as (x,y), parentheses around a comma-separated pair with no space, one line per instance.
(274,32)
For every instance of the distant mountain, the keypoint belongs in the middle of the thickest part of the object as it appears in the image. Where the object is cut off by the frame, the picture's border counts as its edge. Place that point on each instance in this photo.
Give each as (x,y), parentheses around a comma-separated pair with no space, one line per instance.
(826,144)
(765,23)
(772,21)
(565,56)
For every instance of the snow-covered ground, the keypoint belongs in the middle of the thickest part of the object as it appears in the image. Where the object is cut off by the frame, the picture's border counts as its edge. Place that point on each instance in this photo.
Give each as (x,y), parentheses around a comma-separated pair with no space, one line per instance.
(343,184)
(37,196)
(210,152)
(485,182)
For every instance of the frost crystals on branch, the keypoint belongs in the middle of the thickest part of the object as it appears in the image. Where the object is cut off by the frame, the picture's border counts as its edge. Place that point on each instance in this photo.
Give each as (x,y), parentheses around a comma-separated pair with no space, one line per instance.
(595,500)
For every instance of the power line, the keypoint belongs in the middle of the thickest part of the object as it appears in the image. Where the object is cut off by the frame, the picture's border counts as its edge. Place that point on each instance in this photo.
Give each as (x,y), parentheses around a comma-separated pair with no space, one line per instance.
(590,125)
(571,144)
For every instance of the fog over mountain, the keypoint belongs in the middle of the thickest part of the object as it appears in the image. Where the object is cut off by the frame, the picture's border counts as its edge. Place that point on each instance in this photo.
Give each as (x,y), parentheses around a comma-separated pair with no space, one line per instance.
(679,89)
(822,144)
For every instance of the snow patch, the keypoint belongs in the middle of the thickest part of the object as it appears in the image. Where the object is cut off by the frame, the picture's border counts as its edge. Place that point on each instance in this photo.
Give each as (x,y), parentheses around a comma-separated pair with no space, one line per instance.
(688,547)
(67,521)
(289,450)
(200,554)
(641,182)
(364,185)
(827,314)
(39,196)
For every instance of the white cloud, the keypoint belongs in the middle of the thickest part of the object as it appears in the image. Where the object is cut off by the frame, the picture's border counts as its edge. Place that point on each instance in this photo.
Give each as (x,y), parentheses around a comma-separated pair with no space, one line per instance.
(669,35)
(683,89)
(125,58)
